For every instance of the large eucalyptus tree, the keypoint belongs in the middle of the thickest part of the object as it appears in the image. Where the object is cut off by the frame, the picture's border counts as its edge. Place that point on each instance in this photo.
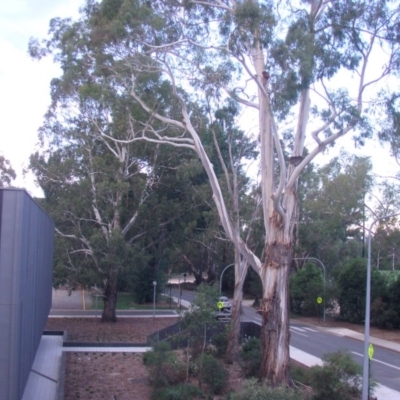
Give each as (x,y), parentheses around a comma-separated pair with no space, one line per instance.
(95,181)
(274,58)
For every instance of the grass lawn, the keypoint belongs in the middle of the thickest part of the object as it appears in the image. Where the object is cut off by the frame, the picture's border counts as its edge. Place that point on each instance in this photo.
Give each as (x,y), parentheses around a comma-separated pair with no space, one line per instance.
(125,302)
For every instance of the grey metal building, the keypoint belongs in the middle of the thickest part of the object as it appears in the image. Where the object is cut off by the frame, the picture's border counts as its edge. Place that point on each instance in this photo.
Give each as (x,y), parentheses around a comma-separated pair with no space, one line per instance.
(26,264)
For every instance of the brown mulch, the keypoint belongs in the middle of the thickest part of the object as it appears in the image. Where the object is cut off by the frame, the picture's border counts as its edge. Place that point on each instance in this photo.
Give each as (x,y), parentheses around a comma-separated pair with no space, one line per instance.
(108,376)
(132,330)
(123,376)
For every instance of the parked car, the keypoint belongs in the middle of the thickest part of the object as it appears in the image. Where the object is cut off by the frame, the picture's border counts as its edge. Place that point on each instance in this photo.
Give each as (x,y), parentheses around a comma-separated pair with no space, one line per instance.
(226,303)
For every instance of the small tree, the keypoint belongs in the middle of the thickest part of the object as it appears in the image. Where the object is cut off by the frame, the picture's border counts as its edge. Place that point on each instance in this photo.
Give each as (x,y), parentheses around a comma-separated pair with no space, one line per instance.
(203,312)
(201,317)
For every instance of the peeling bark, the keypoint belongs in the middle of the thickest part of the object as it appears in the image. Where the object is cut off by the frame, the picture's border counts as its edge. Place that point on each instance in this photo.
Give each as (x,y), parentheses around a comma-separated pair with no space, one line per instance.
(275,333)
(232,351)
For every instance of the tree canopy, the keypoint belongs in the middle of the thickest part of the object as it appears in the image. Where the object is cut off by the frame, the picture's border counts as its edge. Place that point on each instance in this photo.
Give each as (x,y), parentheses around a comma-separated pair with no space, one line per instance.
(7,174)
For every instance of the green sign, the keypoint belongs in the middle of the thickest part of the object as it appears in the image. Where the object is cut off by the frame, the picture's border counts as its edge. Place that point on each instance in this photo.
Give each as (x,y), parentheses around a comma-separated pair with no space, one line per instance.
(220,304)
(370,351)
(319,300)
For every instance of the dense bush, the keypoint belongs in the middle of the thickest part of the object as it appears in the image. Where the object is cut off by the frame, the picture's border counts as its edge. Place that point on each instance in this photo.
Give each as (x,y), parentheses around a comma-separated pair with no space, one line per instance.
(164,366)
(300,373)
(305,286)
(220,341)
(250,357)
(167,374)
(161,353)
(352,290)
(383,316)
(339,378)
(385,310)
(351,282)
(253,390)
(179,392)
(213,373)
(352,293)
(394,300)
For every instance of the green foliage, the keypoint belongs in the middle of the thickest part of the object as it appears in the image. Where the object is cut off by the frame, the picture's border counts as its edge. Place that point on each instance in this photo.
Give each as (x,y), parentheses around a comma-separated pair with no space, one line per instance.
(213,374)
(352,289)
(305,286)
(165,368)
(250,357)
(182,391)
(299,373)
(142,284)
(394,301)
(204,309)
(254,390)
(7,174)
(220,341)
(339,378)
(384,315)
(332,211)
(161,352)
(351,285)
(385,309)
(384,247)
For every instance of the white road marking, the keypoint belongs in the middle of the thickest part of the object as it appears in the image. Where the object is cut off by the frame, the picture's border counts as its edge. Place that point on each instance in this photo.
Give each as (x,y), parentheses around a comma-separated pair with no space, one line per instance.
(378,361)
(297,329)
(309,329)
(297,333)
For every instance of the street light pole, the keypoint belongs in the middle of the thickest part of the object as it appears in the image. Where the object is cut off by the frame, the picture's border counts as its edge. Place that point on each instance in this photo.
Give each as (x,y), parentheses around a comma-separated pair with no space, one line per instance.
(220,278)
(365,385)
(154,298)
(323,268)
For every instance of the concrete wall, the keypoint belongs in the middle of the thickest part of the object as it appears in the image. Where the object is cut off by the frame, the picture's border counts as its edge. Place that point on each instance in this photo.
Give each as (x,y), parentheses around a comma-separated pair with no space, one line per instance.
(26,264)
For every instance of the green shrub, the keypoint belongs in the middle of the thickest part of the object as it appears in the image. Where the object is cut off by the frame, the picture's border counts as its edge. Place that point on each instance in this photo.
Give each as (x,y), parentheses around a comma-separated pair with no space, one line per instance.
(250,357)
(161,353)
(352,286)
(220,341)
(382,316)
(179,392)
(164,367)
(253,390)
(339,378)
(300,373)
(167,374)
(305,286)
(213,373)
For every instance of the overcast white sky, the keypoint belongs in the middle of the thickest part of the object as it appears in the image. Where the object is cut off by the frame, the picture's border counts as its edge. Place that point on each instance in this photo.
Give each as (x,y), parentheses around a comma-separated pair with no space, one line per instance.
(24,85)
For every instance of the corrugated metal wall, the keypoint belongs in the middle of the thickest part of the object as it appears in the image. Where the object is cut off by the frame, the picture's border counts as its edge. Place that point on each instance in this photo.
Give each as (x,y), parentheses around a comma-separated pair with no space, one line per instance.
(26,265)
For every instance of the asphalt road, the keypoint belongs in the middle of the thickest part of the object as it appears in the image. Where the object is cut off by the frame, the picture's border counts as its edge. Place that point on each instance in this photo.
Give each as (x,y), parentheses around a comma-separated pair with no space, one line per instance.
(385,365)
